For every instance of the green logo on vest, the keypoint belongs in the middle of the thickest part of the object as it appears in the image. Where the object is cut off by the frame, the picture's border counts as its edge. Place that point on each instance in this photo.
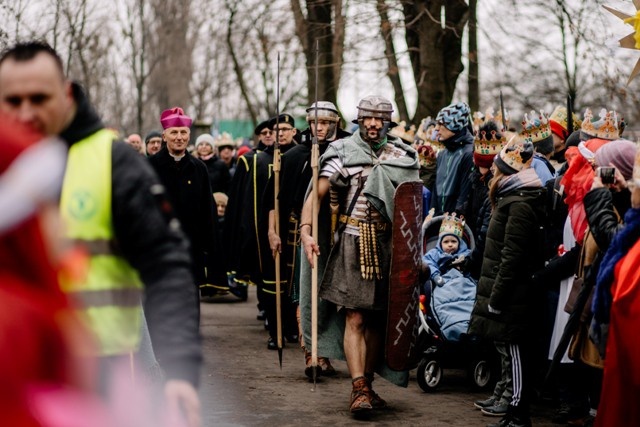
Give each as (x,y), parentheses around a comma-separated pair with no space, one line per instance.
(83,205)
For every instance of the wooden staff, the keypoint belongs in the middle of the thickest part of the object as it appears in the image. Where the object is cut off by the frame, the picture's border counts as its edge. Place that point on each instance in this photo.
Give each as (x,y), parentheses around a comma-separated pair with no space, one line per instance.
(276,208)
(315,154)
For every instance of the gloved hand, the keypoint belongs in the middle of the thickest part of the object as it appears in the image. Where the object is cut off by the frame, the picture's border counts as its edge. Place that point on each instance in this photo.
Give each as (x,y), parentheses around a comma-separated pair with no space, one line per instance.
(438,280)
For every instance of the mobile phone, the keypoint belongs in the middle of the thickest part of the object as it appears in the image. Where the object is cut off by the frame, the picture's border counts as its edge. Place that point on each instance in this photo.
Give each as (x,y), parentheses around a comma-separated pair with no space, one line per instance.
(607,174)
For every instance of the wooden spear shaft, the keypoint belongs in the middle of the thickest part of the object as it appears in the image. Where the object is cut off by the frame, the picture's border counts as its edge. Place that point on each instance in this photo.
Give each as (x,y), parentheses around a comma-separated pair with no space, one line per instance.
(315,154)
(276,208)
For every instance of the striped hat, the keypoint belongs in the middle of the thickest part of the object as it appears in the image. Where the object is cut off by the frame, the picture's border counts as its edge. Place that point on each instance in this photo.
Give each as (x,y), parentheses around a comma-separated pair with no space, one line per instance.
(454,117)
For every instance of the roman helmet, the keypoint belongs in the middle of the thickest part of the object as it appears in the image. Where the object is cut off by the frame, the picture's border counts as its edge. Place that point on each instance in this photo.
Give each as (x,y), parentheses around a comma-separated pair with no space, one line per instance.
(377,107)
(325,111)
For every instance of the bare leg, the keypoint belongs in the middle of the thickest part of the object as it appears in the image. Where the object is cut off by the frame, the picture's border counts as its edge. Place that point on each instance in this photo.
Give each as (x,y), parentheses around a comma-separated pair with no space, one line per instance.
(355,346)
(373,339)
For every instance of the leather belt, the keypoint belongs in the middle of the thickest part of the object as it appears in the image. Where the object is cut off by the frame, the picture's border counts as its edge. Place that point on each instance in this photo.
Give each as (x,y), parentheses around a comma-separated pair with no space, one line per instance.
(379,226)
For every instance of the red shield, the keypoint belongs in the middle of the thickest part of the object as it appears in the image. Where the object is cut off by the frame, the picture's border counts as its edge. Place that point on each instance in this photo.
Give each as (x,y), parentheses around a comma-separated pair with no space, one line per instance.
(404,286)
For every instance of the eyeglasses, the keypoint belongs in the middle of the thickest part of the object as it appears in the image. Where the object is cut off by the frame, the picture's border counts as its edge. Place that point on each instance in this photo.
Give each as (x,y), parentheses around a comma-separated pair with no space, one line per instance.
(284,129)
(266,132)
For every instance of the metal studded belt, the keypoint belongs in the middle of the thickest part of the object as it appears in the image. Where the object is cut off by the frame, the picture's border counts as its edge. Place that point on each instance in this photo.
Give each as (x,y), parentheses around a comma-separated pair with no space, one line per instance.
(379,226)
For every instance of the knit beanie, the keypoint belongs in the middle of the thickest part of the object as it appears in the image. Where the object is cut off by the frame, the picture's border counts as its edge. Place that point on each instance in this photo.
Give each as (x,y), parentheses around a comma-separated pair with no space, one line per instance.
(454,117)
(205,138)
(620,153)
(152,134)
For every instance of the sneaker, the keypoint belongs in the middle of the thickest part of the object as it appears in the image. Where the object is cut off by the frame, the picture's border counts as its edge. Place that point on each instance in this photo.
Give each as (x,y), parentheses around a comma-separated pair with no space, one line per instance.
(485,402)
(519,422)
(561,416)
(261,315)
(496,410)
(504,421)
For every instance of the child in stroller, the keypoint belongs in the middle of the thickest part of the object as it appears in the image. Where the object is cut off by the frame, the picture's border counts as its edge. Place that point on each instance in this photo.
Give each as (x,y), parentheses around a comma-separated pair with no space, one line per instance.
(446,306)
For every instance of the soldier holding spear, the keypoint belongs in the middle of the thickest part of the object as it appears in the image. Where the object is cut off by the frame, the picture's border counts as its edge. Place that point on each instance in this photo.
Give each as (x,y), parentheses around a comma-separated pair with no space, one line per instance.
(364,171)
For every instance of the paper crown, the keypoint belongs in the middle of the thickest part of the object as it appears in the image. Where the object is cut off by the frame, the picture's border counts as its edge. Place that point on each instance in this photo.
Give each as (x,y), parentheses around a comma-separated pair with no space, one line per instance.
(478,120)
(174,117)
(488,142)
(516,155)
(535,127)
(224,140)
(451,224)
(606,127)
(559,118)
(424,135)
(401,131)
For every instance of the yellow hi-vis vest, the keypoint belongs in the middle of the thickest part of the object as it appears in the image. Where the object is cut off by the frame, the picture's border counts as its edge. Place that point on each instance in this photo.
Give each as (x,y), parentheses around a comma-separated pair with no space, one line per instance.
(110,296)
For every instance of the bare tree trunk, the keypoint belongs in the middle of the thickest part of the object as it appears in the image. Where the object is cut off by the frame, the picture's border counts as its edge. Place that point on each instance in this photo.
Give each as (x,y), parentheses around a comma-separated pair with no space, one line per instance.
(170,79)
(390,52)
(435,50)
(236,64)
(320,25)
(474,87)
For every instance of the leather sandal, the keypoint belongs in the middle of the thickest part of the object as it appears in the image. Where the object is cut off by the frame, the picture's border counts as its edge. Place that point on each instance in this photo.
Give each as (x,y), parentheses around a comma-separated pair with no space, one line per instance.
(360,401)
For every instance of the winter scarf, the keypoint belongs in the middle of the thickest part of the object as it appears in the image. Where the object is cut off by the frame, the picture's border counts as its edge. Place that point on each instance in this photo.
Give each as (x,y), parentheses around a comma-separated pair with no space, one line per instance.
(526,178)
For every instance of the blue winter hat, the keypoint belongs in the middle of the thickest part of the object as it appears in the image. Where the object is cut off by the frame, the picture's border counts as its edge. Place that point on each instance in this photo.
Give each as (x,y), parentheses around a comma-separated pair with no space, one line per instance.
(454,117)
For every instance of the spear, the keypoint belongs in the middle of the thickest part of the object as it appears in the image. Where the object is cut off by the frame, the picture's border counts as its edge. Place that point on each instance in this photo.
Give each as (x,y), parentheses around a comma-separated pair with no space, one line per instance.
(504,118)
(569,116)
(315,154)
(276,207)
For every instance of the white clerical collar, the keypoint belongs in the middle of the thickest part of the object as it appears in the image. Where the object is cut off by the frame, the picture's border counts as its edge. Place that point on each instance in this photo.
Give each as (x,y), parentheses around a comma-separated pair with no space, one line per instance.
(175,157)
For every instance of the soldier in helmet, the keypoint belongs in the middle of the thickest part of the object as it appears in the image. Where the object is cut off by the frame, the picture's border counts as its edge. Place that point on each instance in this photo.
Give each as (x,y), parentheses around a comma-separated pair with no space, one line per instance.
(295,176)
(359,174)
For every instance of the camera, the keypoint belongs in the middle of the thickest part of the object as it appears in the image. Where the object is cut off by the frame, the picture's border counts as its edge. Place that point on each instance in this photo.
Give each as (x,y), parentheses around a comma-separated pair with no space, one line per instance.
(607,174)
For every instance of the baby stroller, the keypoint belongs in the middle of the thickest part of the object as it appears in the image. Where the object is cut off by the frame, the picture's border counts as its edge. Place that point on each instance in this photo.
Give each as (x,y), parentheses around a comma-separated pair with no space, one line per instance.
(461,351)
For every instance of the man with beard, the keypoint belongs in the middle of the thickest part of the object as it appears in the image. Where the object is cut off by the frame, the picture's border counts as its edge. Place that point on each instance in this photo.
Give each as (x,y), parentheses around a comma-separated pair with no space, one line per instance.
(187,182)
(364,170)
(295,176)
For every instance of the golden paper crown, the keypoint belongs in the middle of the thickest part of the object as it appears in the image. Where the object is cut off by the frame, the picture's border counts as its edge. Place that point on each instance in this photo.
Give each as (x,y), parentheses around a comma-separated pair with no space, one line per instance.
(451,224)
(489,143)
(535,127)
(478,120)
(424,135)
(606,127)
(517,153)
(559,116)
(401,131)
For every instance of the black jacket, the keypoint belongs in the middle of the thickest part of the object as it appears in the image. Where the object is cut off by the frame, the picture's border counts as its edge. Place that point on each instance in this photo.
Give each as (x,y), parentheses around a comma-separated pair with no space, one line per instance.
(513,252)
(219,175)
(479,215)
(141,223)
(605,211)
(189,191)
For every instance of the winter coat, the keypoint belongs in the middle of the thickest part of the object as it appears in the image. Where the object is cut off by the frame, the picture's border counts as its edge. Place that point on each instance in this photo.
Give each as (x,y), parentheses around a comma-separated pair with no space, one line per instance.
(189,191)
(454,164)
(219,176)
(513,252)
(478,217)
(439,261)
(141,225)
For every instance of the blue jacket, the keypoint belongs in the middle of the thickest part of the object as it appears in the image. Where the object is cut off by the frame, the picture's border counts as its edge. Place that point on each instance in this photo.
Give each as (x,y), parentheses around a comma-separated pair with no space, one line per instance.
(453,170)
(436,258)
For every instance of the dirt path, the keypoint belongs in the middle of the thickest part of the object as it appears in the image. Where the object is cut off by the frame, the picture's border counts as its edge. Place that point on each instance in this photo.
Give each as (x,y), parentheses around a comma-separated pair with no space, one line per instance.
(242,384)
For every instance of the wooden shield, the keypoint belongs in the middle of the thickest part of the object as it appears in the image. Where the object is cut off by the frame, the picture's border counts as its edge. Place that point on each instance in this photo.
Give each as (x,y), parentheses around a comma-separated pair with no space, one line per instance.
(404,287)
